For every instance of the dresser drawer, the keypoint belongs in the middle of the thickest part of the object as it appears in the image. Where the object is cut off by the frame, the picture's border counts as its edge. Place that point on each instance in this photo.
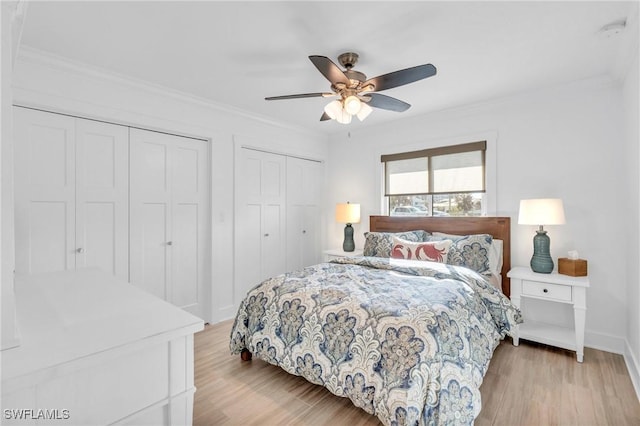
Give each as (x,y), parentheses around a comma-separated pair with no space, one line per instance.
(546,290)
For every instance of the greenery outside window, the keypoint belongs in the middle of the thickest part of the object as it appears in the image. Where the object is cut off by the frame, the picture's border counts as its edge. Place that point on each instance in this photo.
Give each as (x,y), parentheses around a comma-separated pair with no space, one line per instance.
(446,181)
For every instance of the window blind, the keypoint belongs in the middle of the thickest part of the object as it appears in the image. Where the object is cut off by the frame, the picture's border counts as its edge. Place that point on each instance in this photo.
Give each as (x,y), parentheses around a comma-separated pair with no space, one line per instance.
(449,169)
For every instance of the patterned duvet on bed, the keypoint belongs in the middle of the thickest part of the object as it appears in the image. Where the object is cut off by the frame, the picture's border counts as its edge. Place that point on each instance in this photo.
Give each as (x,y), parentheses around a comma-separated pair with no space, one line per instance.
(407,341)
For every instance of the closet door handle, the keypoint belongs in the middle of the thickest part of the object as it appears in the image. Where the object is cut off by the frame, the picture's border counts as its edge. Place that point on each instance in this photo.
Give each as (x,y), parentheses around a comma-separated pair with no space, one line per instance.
(169,243)
(304,231)
(266,235)
(80,250)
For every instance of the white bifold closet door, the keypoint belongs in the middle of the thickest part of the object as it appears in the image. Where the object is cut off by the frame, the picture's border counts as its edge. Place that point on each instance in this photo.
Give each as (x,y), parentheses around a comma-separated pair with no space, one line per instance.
(304,184)
(260,214)
(71,193)
(168,217)
(277,216)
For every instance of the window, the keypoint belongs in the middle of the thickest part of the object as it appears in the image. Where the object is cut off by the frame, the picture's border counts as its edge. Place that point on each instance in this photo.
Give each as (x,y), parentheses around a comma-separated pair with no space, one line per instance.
(446,181)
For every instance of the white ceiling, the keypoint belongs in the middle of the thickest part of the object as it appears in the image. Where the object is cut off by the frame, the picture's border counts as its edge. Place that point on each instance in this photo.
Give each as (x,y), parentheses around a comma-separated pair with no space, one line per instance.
(236,53)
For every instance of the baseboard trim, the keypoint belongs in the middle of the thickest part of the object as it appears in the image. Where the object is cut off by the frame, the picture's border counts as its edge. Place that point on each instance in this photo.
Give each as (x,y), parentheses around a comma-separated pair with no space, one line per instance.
(227,312)
(633,366)
(605,342)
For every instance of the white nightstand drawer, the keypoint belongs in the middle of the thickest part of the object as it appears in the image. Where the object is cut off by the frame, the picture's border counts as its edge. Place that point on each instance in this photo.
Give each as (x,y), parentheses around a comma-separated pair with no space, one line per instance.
(546,290)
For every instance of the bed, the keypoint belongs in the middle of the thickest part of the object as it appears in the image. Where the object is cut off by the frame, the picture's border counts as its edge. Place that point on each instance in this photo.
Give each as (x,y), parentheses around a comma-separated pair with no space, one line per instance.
(406,340)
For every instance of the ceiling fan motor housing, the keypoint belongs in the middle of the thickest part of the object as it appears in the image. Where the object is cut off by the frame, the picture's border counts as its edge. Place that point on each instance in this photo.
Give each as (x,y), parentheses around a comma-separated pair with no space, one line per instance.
(355,75)
(348,60)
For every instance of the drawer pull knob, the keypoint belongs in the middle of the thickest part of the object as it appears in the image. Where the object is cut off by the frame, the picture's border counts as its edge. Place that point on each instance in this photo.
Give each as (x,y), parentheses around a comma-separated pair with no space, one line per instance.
(545,291)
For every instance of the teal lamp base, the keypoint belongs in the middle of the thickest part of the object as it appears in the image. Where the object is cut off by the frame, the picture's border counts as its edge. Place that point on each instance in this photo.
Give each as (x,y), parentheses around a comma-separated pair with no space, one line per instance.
(541,260)
(348,244)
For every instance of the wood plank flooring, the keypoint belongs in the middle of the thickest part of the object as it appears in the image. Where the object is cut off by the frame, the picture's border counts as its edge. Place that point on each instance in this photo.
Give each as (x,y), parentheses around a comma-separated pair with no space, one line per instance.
(526,385)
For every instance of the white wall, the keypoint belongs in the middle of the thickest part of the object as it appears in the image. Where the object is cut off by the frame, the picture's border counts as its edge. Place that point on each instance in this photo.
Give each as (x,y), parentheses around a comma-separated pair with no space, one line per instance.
(630,92)
(563,142)
(11,25)
(61,86)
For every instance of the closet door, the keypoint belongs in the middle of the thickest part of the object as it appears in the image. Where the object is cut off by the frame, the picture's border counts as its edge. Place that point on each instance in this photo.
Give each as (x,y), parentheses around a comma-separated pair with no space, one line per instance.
(259,218)
(102,197)
(150,211)
(168,217)
(72,191)
(45,183)
(304,183)
(189,230)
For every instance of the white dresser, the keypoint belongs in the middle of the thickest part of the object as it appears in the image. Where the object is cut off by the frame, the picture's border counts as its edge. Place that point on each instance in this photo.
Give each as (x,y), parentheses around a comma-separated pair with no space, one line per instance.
(95,350)
(552,288)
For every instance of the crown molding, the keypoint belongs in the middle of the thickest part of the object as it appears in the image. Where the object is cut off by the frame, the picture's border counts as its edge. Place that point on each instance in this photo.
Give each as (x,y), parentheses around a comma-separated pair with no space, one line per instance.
(30,56)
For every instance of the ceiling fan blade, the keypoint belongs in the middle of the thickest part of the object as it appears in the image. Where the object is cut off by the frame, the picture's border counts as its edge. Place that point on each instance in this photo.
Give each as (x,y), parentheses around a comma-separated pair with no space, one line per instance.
(377,100)
(325,117)
(331,71)
(401,77)
(302,95)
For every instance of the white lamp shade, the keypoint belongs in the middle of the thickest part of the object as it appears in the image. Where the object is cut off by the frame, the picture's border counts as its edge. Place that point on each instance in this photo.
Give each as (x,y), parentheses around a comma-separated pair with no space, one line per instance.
(352,105)
(343,117)
(348,213)
(333,109)
(364,112)
(541,211)
(343,111)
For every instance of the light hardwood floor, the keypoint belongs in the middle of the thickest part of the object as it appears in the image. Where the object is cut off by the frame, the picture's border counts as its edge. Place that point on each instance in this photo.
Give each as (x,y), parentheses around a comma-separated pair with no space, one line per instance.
(526,385)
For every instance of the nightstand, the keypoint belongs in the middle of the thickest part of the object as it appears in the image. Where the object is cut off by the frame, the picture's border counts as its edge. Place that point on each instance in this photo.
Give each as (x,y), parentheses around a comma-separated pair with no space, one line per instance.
(335,253)
(553,288)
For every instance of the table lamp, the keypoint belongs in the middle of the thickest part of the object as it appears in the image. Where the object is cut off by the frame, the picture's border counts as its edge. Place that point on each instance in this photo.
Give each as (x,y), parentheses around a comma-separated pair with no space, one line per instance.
(543,211)
(348,213)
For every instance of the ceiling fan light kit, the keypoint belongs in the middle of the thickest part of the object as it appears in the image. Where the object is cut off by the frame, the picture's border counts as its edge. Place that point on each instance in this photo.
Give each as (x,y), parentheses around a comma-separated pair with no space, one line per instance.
(355,92)
(352,104)
(335,111)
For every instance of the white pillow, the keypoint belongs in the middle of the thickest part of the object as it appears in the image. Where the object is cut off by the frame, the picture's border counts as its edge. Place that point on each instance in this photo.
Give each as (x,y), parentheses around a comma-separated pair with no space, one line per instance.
(495,257)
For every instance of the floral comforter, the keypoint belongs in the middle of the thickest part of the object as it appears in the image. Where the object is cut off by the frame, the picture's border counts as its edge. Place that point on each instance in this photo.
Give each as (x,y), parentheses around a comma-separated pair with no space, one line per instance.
(407,341)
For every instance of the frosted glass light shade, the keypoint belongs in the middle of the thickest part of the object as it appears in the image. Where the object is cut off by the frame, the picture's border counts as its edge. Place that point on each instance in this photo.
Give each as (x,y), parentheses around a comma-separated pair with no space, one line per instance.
(343,111)
(333,109)
(364,112)
(343,117)
(348,213)
(541,211)
(352,105)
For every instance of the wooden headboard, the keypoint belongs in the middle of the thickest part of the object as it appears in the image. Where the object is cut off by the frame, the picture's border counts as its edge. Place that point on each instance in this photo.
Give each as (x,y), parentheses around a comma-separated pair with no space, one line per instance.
(498,227)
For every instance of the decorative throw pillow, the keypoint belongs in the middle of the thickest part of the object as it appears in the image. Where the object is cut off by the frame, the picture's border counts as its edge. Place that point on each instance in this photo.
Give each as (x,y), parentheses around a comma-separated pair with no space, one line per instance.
(471,251)
(495,253)
(435,251)
(378,244)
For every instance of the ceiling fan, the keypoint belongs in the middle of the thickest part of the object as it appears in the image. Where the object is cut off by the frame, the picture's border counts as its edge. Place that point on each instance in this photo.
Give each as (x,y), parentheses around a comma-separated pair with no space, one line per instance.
(356,95)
